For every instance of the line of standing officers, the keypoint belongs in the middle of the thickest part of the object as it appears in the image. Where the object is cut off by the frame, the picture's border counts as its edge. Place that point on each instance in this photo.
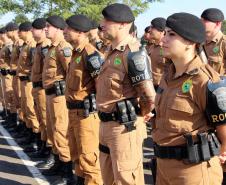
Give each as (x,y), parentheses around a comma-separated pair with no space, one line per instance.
(79,95)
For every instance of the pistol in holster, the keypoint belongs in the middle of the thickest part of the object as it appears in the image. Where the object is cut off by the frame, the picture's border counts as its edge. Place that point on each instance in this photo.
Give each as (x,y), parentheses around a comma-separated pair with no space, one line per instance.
(206,147)
(90,104)
(59,87)
(126,114)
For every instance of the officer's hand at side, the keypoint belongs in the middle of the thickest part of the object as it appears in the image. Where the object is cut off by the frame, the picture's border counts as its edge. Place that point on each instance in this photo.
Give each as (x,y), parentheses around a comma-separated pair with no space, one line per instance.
(222,157)
(148,116)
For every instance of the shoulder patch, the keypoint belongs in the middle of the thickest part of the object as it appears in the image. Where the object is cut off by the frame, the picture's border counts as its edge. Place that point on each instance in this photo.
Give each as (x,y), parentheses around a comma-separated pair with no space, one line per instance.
(139,62)
(44,51)
(67,51)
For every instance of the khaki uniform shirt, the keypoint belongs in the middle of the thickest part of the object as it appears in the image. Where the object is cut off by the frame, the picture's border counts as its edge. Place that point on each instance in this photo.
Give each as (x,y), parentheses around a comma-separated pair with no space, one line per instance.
(181,102)
(157,62)
(17,47)
(38,60)
(113,83)
(79,82)
(216,53)
(5,55)
(56,63)
(25,58)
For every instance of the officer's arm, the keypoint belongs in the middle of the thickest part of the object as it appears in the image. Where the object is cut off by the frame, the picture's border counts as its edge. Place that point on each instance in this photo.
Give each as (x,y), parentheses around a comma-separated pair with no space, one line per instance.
(140,75)
(221,134)
(215,110)
(94,62)
(65,57)
(146,93)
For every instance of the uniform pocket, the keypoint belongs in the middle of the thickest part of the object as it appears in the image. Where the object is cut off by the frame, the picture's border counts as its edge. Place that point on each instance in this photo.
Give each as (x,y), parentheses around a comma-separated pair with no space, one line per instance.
(87,160)
(113,84)
(74,80)
(179,114)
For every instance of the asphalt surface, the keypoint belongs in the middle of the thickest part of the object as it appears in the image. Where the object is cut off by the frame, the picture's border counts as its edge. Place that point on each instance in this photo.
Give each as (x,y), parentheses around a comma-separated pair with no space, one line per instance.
(17,168)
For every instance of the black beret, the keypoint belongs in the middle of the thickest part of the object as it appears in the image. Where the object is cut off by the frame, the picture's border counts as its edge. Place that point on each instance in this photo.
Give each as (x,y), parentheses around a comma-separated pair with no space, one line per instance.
(118,13)
(147,29)
(3,30)
(79,23)
(39,23)
(213,15)
(95,25)
(57,21)
(159,23)
(25,26)
(187,26)
(12,26)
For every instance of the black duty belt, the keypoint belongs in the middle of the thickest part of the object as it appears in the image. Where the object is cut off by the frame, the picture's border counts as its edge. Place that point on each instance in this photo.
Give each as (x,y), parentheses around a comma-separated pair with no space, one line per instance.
(24,78)
(12,72)
(37,84)
(50,91)
(5,72)
(170,152)
(105,117)
(75,105)
(104,149)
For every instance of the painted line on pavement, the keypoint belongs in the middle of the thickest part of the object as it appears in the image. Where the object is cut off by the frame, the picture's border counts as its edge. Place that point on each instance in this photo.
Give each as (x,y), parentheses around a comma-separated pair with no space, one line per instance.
(25,159)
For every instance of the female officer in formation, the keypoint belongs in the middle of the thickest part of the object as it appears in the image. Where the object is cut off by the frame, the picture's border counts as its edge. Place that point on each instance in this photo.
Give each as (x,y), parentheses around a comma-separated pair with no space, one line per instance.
(190,109)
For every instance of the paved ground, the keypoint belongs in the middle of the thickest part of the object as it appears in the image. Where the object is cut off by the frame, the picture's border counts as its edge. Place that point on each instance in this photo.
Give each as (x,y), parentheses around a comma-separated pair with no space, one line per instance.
(16,168)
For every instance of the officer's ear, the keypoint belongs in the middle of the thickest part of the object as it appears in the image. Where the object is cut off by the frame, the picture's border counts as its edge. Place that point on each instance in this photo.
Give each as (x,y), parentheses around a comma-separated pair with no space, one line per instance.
(218,24)
(189,44)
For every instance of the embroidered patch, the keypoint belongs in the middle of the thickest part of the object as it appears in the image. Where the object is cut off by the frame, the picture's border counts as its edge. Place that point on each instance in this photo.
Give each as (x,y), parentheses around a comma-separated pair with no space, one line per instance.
(52,54)
(78,59)
(117,61)
(186,86)
(67,52)
(161,52)
(216,49)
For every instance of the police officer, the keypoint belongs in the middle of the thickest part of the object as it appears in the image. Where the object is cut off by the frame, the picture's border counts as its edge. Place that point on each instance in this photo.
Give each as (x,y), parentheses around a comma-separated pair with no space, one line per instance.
(187,99)
(124,77)
(156,33)
(5,56)
(23,72)
(145,38)
(53,79)
(81,101)
(38,92)
(94,37)
(215,45)
(5,112)
(12,33)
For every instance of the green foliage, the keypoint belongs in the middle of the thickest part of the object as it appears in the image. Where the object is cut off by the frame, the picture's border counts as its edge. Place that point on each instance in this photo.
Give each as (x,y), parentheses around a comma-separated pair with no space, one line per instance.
(224,27)
(65,8)
(20,18)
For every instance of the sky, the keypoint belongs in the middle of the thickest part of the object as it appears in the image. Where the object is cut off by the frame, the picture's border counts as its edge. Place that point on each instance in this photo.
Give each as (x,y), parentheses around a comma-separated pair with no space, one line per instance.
(168,7)
(162,9)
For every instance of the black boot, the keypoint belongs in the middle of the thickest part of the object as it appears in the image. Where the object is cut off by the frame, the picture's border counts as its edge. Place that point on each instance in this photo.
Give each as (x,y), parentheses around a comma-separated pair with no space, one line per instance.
(35,145)
(55,169)
(7,123)
(80,181)
(23,131)
(13,120)
(3,114)
(27,139)
(67,177)
(48,163)
(18,130)
(43,152)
